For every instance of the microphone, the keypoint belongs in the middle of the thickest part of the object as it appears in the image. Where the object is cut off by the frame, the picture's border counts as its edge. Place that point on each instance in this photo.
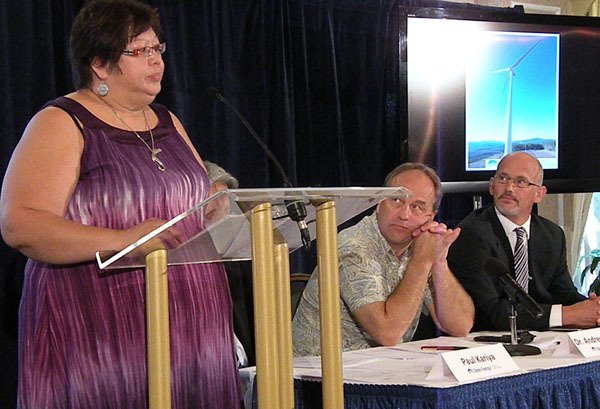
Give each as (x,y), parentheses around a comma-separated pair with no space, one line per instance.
(295,208)
(513,290)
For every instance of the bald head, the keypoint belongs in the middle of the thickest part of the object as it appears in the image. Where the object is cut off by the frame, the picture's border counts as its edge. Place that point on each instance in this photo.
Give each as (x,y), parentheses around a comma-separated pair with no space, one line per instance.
(524,160)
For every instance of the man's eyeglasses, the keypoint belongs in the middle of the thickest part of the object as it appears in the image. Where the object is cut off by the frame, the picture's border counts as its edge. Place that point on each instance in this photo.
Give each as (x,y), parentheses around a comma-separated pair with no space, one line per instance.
(518,181)
(147,50)
(416,208)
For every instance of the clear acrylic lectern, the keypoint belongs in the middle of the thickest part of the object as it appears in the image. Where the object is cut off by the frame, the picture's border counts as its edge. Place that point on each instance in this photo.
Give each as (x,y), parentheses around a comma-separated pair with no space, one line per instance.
(244,224)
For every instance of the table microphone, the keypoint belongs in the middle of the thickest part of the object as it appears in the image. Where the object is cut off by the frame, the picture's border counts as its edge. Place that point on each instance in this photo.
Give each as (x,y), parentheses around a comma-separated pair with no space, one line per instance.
(295,208)
(513,290)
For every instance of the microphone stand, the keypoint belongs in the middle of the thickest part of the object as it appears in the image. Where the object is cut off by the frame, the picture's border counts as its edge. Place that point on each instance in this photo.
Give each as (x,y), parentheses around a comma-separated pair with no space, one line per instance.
(514,348)
(295,207)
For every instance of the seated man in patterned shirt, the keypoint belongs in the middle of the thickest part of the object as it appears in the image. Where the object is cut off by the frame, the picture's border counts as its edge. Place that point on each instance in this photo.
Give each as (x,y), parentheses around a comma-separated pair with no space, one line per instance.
(392,264)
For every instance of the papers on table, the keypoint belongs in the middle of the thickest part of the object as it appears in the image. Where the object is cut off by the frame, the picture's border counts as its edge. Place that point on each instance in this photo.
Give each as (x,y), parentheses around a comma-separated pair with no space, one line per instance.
(373,365)
(545,342)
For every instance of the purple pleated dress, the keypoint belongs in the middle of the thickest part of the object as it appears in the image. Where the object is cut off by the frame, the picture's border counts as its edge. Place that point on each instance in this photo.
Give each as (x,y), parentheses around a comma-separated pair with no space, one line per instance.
(82,330)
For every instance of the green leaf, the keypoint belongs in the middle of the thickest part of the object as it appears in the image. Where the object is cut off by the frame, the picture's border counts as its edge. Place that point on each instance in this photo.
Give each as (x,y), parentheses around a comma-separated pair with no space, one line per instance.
(595,287)
(582,277)
(594,264)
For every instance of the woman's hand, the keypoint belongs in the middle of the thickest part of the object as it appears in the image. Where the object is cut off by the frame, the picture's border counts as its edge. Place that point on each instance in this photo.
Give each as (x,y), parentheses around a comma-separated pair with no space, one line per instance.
(168,239)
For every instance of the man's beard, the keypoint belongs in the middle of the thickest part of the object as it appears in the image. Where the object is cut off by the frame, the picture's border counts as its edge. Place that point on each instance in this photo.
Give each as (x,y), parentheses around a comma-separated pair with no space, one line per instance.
(512,211)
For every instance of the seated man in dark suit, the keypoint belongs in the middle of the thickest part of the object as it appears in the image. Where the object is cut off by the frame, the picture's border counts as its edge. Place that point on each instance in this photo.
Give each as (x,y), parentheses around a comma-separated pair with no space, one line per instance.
(490,232)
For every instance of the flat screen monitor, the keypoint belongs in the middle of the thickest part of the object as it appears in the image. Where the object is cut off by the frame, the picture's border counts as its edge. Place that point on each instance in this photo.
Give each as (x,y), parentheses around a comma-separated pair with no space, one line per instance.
(481,85)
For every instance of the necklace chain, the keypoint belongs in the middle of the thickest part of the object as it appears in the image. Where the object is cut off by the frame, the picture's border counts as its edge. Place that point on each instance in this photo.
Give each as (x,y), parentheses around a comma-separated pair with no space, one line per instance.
(153,151)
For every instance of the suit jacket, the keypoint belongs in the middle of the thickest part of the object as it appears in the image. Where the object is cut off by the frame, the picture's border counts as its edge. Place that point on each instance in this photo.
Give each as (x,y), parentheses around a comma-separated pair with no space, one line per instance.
(482,237)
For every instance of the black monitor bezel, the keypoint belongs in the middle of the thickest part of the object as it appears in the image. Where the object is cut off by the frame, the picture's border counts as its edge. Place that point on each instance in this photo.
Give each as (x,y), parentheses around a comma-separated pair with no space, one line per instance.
(555,181)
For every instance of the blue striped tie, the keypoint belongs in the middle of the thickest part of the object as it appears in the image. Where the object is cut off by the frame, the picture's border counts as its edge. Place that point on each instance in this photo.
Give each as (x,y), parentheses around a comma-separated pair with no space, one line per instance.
(521,260)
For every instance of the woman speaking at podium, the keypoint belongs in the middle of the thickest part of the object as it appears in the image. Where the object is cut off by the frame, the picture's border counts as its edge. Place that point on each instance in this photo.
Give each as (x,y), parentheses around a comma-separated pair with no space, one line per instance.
(95,170)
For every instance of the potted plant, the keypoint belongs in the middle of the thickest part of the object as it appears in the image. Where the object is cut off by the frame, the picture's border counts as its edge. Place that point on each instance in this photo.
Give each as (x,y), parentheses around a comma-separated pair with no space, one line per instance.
(592,268)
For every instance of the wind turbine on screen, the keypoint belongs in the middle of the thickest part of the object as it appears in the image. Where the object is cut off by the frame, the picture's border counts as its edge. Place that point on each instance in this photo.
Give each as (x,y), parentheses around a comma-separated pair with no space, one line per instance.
(510,70)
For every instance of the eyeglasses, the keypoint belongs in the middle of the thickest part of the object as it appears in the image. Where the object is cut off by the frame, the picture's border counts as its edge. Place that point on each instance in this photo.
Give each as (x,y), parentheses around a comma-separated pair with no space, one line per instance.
(519,182)
(415,208)
(147,50)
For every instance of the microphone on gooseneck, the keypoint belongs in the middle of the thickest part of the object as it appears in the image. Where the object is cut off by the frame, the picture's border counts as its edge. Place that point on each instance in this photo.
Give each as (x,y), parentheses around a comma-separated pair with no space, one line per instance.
(513,290)
(295,208)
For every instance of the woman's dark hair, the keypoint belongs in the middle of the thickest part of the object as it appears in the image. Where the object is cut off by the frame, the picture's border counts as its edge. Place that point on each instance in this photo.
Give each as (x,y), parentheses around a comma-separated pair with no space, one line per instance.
(102,29)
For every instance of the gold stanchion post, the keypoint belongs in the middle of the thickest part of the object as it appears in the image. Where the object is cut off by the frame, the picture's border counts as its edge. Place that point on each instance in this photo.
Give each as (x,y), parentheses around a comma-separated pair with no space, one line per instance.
(157,331)
(329,307)
(264,307)
(284,327)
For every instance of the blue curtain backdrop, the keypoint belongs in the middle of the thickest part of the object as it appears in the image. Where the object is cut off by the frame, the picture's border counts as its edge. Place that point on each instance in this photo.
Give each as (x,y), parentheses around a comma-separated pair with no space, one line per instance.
(319,80)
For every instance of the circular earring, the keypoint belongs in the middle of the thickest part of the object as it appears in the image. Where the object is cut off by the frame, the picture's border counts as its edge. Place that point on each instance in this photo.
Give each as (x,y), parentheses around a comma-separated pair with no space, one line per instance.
(102,89)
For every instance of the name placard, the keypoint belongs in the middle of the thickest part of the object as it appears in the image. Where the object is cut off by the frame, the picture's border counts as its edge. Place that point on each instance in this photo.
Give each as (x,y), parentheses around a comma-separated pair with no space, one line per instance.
(584,343)
(473,363)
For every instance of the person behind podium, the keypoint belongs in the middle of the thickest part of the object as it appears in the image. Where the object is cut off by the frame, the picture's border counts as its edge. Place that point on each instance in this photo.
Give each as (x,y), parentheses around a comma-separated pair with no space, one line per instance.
(96,170)
(490,233)
(220,179)
(239,275)
(392,265)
